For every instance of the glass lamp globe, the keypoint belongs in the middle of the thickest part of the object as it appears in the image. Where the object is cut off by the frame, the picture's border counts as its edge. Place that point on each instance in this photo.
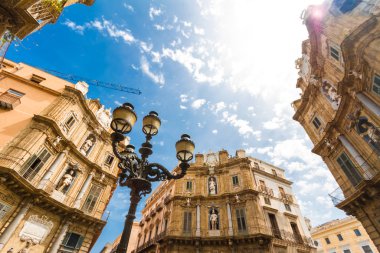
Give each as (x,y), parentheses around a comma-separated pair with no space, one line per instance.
(123,118)
(185,148)
(151,123)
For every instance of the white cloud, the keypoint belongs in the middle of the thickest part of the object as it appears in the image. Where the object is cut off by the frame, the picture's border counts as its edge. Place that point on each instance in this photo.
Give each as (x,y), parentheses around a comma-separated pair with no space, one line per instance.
(145,46)
(215,108)
(186,23)
(199,31)
(182,107)
(77,28)
(198,103)
(243,126)
(159,27)
(129,7)
(112,30)
(157,78)
(215,131)
(153,12)
(274,123)
(250,150)
(184,98)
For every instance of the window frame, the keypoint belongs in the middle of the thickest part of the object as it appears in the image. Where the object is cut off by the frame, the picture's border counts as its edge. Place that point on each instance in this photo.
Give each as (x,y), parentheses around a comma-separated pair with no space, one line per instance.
(235,178)
(187,222)
(358,232)
(15,93)
(92,199)
(241,220)
(43,155)
(106,163)
(187,184)
(376,82)
(287,207)
(340,237)
(316,121)
(4,209)
(78,244)
(349,171)
(327,240)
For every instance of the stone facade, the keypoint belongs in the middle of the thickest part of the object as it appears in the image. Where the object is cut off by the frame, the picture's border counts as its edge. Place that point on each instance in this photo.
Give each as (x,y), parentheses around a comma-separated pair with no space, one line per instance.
(224,204)
(57,170)
(22,17)
(339,106)
(346,235)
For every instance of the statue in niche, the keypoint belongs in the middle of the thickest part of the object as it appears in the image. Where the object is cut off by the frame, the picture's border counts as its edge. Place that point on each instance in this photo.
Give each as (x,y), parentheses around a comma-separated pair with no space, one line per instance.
(104,116)
(66,180)
(331,94)
(214,219)
(87,145)
(369,133)
(57,140)
(212,187)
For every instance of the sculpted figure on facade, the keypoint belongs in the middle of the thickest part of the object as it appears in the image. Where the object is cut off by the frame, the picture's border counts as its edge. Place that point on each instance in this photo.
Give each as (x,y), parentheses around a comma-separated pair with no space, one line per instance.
(304,67)
(87,145)
(57,140)
(214,220)
(212,187)
(66,180)
(369,133)
(331,94)
(104,116)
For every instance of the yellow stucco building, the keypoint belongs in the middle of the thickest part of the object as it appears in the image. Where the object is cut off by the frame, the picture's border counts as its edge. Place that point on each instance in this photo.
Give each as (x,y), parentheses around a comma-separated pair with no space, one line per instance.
(57,170)
(344,236)
(339,106)
(224,204)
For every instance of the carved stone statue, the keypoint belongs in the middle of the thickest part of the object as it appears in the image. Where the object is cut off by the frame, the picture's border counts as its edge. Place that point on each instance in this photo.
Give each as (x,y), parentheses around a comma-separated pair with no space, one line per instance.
(104,116)
(212,185)
(188,200)
(369,133)
(26,248)
(214,220)
(66,180)
(57,140)
(87,145)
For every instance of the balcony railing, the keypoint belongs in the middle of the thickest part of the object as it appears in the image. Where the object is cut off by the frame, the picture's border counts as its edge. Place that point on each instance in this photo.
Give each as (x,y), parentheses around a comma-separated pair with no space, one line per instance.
(9,101)
(46,11)
(337,196)
(290,236)
(266,190)
(151,242)
(287,198)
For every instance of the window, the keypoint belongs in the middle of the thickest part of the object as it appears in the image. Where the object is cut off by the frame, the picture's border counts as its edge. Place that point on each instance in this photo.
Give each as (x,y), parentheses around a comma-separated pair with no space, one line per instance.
(92,198)
(349,169)
(287,207)
(15,93)
(4,208)
(274,172)
(235,181)
(165,224)
(109,160)
(346,251)
(367,249)
(240,218)
(72,240)
(334,53)
(69,123)
(256,165)
(376,84)
(327,240)
(346,5)
(316,122)
(189,186)
(340,237)
(316,243)
(296,232)
(187,222)
(274,225)
(267,200)
(357,232)
(34,165)
(156,230)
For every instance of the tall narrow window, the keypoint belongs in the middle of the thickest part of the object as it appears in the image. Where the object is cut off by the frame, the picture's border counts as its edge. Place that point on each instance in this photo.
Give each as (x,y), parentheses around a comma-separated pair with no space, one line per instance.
(267,200)
(72,241)
(165,224)
(69,123)
(376,84)
(287,207)
(327,240)
(340,237)
(92,198)
(296,232)
(316,122)
(273,222)
(235,181)
(349,169)
(109,160)
(187,222)
(189,186)
(4,208)
(240,218)
(34,165)
(274,172)
(357,232)
(334,53)
(156,229)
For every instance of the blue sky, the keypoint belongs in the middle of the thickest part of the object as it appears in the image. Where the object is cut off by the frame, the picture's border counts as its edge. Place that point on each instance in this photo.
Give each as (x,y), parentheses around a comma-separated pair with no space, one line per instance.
(221,71)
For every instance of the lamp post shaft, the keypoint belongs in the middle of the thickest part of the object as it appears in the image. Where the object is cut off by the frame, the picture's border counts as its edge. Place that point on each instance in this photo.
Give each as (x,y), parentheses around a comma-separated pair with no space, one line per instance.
(129,218)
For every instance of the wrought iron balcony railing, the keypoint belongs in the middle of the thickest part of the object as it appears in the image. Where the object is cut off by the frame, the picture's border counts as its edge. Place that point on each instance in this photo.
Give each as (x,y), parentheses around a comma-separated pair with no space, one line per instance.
(287,198)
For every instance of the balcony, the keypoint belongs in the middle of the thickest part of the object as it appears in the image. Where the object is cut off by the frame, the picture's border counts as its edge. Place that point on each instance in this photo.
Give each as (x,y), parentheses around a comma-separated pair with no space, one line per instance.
(151,242)
(337,196)
(9,101)
(286,198)
(265,190)
(291,237)
(46,11)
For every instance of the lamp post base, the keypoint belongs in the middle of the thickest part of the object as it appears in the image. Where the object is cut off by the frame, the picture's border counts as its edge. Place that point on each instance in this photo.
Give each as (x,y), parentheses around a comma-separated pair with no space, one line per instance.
(139,187)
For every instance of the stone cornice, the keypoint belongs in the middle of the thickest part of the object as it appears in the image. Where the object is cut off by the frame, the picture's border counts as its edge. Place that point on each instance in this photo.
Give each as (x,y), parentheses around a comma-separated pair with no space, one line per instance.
(283,180)
(71,145)
(29,82)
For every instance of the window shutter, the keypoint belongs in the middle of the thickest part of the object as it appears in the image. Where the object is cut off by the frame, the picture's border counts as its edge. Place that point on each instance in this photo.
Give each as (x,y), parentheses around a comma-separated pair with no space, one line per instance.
(349,169)
(79,243)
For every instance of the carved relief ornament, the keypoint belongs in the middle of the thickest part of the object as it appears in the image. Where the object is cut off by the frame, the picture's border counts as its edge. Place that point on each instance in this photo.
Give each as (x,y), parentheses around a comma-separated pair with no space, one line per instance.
(36,229)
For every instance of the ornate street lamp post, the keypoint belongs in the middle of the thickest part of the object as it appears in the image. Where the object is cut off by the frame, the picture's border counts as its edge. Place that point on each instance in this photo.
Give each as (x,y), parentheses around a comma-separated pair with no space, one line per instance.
(137,173)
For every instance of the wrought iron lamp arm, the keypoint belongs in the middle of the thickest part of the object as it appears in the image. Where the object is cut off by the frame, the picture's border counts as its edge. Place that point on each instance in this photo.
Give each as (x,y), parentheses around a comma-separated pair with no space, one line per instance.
(157,172)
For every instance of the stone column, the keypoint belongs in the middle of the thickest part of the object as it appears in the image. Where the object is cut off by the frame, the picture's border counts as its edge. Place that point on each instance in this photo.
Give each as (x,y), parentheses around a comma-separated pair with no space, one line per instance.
(230,230)
(198,230)
(55,246)
(9,231)
(84,189)
(369,103)
(358,158)
(51,170)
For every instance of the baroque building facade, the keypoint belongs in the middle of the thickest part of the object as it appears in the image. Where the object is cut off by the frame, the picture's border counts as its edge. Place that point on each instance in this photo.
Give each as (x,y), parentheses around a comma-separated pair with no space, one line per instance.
(339,106)
(57,171)
(223,204)
(346,235)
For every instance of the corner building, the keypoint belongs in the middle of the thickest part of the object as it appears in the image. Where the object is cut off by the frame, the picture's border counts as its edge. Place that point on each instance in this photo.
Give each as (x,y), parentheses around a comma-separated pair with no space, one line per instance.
(224,204)
(57,171)
(339,106)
